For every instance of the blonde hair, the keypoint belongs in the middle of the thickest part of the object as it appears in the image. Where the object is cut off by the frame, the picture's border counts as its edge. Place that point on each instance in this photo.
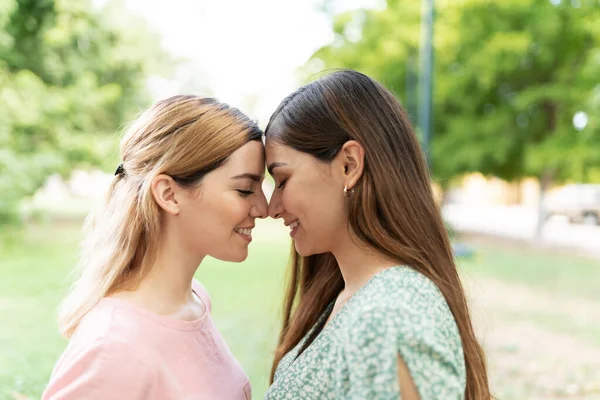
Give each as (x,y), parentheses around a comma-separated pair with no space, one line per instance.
(185,137)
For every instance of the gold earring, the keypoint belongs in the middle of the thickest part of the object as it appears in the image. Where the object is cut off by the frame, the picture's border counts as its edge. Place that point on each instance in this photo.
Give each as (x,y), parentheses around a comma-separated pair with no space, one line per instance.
(348,193)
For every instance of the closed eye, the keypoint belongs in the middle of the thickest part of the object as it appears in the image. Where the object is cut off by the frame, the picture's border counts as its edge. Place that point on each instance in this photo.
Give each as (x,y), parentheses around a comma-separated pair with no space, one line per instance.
(245,193)
(282,184)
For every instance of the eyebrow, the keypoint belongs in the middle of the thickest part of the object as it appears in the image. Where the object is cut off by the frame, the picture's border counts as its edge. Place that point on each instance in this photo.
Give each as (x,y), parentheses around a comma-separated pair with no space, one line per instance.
(274,165)
(254,177)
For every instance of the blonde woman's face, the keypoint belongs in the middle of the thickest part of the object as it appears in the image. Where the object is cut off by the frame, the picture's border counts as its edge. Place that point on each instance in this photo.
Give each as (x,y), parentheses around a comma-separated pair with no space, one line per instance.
(217,219)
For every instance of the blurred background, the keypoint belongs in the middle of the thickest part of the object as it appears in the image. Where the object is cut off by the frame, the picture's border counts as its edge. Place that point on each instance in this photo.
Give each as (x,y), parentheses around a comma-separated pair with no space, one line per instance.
(505,96)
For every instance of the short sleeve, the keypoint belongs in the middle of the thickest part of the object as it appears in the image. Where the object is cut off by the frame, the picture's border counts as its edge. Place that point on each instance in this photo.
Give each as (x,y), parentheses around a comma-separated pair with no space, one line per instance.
(420,337)
(101,370)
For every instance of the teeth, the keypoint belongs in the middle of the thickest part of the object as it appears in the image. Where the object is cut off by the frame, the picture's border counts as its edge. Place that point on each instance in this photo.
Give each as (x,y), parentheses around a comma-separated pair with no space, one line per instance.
(294,224)
(246,232)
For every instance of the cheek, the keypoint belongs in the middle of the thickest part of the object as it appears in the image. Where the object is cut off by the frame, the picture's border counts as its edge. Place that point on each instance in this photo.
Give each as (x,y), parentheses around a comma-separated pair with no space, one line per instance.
(216,216)
(233,209)
(287,199)
(295,199)
(318,208)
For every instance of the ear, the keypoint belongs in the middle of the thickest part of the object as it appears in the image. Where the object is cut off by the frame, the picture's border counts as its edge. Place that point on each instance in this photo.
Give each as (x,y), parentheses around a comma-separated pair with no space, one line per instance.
(353,162)
(165,190)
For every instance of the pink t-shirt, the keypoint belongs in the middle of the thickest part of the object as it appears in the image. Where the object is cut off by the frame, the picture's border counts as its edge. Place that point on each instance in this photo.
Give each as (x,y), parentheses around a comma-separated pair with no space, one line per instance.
(121,351)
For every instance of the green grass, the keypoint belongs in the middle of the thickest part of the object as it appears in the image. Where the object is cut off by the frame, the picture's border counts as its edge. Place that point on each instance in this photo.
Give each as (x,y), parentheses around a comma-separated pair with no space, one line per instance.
(548,271)
(589,334)
(553,274)
(34,264)
(246,297)
(32,269)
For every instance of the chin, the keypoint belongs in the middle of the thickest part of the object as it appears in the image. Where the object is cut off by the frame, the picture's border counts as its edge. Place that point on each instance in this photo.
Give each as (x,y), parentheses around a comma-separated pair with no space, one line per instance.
(304,251)
(238,257)
(233,257)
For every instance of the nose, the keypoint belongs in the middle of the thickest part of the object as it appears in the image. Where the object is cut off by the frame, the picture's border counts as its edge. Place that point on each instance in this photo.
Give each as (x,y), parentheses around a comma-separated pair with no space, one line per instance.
(275,205)
(260,207)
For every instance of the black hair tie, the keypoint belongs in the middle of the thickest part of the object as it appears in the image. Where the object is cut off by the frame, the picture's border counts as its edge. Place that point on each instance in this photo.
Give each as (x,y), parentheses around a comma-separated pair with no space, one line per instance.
(119,170)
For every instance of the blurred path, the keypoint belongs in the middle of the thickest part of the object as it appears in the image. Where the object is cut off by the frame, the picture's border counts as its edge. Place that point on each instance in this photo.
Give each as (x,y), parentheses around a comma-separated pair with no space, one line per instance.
(539,346)
(519,223)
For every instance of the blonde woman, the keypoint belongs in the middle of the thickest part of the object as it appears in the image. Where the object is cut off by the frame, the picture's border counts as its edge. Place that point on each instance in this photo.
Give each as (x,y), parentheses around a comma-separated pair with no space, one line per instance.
(139,324)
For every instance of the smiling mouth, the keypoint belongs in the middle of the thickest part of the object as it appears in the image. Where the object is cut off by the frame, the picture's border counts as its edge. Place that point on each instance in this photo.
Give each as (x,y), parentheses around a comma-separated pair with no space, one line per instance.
(294,224)
(244,231)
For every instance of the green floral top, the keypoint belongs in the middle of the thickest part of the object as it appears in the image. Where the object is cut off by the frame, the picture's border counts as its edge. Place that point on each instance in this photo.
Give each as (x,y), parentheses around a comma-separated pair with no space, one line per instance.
(354,357)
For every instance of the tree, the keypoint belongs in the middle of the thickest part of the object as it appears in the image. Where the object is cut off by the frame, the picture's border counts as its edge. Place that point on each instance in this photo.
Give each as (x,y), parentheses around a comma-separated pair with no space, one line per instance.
(509,78)
(381,43)
(509,85)
(70,77)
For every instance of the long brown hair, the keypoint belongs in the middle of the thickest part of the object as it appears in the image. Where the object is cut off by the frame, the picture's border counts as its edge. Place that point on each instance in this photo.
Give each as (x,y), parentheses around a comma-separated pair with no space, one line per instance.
(392,210)
(185,137)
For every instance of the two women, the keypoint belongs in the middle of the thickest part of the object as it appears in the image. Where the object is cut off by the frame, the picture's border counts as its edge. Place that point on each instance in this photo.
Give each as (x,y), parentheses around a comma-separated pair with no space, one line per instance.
(374,308)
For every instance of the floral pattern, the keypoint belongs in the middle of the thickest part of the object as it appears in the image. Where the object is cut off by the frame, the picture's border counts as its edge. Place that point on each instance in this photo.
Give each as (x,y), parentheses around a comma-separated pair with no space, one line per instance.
(399,312)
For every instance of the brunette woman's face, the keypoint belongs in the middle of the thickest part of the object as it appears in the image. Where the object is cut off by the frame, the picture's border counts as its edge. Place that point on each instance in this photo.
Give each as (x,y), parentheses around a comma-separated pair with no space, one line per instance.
(308,197)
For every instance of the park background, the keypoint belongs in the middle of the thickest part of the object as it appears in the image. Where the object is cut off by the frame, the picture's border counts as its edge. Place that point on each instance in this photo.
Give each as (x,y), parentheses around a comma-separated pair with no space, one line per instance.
(505,95)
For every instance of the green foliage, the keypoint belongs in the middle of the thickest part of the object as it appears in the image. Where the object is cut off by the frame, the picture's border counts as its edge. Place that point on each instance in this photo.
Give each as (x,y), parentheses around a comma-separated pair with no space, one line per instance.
(511,83)
(70,77)
(509,78)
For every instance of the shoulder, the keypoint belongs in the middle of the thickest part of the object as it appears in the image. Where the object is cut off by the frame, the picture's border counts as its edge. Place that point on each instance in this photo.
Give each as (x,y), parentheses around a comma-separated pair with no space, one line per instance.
(402,296)
(100,359)
(96,324)
(402,309)
(109,333)
(402,313)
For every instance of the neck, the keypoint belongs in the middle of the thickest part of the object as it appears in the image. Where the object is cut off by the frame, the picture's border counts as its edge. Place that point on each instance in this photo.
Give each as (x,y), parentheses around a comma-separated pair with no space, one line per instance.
(358,263)
(168,285)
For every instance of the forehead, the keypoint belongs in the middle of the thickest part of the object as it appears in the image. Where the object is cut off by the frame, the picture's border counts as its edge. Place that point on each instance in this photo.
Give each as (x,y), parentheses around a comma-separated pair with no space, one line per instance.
(248,158)
(290,158)
(277,152)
